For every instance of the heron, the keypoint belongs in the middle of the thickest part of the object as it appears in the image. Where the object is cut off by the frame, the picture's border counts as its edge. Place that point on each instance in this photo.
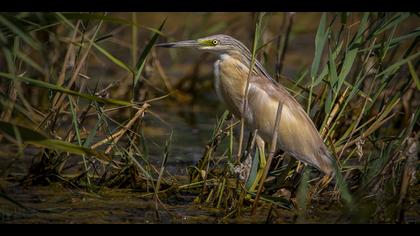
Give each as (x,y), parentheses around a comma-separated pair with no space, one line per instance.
(296,132)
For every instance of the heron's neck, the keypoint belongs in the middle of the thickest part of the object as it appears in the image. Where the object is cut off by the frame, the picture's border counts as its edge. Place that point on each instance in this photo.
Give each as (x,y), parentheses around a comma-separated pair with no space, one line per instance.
(245,58)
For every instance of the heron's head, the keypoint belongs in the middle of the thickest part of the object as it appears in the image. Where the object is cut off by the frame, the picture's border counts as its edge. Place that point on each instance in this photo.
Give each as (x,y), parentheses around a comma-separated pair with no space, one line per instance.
(219,43)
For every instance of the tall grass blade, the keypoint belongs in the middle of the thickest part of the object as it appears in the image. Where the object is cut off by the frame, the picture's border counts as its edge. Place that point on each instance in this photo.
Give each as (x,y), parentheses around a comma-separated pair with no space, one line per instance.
(29,136)
(414,75)
(20,33)
(142,59)
(394,67)
(256,40)
(115,60)
(320,41)
(54,87)
(111,19)
(302,195)
(112,58)
(79,140)
(354,48)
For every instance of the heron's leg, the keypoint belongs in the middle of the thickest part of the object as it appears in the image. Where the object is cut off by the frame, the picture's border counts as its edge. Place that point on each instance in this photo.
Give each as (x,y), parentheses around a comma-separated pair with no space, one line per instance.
(261,149)
(262,162)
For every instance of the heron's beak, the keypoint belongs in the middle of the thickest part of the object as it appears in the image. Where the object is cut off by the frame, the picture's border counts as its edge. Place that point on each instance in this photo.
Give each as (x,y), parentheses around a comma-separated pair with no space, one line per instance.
(180,44)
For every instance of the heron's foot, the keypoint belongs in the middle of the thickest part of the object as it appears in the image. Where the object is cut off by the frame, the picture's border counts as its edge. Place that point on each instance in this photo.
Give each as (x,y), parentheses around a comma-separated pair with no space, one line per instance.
(243,169)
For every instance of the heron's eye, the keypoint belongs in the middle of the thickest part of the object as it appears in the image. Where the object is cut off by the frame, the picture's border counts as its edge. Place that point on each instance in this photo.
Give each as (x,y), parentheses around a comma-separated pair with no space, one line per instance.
(214,42)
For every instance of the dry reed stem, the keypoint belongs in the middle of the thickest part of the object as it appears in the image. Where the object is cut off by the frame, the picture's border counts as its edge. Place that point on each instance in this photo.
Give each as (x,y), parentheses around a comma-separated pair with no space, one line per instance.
(366,133)
(115,137)
(62,75)
(7,112)
(409,168)
(245,98)
(334,112)
(59,98)
(161,72)
(270,157)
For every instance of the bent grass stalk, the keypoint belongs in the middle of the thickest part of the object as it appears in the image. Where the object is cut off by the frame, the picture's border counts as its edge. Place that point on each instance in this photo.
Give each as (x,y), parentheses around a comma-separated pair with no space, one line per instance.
(270,157)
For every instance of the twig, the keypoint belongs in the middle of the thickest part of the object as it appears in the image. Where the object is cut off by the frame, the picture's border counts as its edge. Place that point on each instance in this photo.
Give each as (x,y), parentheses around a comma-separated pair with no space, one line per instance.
(245,98)
(270,158)
(59,98)
(334,112)
(117,135)
(161,72)
(62,75)
(286,28)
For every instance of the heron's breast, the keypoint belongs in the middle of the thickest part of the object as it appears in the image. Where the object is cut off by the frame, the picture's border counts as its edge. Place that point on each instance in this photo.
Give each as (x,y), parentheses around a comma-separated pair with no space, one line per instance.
(233,73)
(230,82)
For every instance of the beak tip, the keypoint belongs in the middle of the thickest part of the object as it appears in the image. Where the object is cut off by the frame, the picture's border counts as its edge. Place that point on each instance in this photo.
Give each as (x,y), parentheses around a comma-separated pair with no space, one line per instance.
(164,45)
(180,44)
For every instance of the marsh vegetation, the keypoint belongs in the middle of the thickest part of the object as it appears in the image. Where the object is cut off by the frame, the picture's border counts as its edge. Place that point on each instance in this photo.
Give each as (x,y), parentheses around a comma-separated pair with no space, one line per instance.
(97,125)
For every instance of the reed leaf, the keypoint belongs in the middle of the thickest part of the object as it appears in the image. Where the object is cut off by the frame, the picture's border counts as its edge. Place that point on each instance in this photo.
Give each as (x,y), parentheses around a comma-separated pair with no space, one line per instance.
(394,67)
(37,138)
(20,33)
(111,19)
(57,88)
(320,41)
(414,75)
(142,59)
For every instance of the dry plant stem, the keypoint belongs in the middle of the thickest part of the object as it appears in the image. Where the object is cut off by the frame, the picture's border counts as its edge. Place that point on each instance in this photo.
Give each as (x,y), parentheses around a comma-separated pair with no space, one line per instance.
(157,187)
(364,105)
(241,138)
(354,130)
(285,28)
(270,157)
(115,137)
(245,101)
(334,112)
(134,38)
(366,133)
(59,98)
(7,113)
(245,98)
(158,201)
(161,72)
(407,98)
(71,134)
(115,109)
(391,162)
(322,184)
(62,75)
(206,175)
(409,167)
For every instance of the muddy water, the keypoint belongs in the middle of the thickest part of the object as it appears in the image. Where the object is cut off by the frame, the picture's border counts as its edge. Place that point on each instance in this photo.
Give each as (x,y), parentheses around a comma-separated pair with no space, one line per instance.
(57,204)
(191,126)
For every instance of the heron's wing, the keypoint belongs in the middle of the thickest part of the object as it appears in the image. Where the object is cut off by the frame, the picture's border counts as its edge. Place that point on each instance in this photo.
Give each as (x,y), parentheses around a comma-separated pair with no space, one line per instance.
(272,93)
(297,133)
